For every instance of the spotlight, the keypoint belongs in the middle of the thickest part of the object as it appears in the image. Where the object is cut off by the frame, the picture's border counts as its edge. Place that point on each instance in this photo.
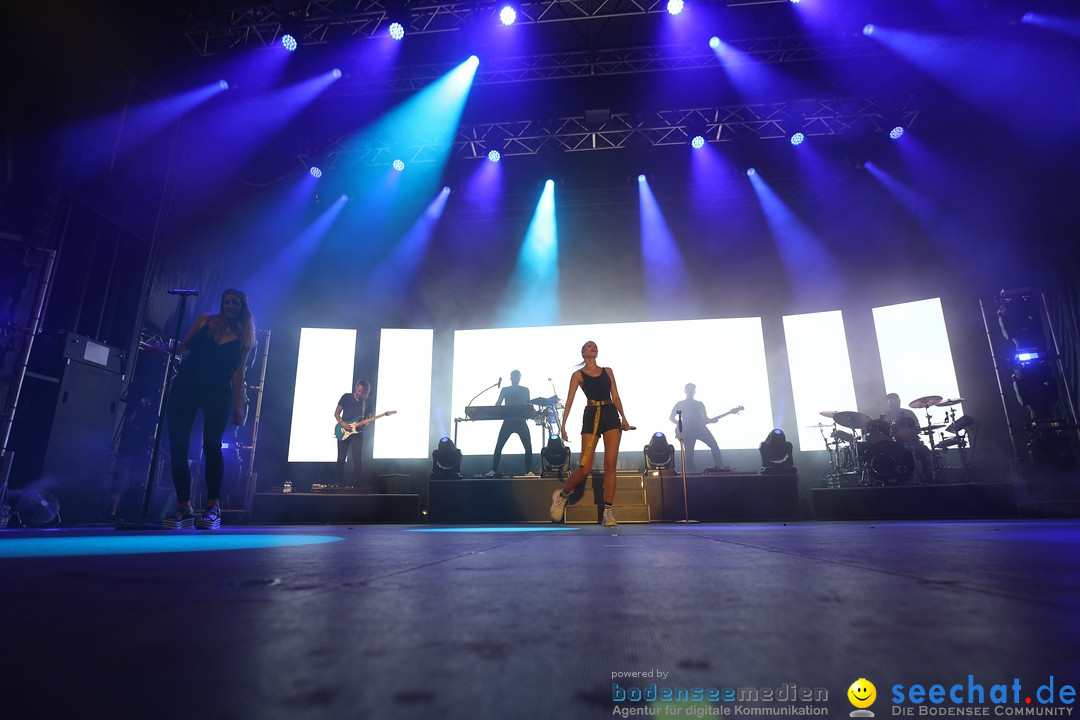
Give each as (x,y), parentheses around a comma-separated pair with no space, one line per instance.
(397,30)
(641,178)
(554,458)
(223,84)
(798,139)
(868,29)
(288,42)
(751,172)
(399,165)
(776,454)
(659,453)
(315,172)
(336,73)
(494,156)
(507,16)
(674,7)
(896,133)
(446,461)
(698,142)
(714,42)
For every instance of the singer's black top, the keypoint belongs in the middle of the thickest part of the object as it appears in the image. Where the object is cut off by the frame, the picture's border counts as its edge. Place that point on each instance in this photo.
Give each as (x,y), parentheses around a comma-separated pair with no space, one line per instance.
(596,388)
(210,365)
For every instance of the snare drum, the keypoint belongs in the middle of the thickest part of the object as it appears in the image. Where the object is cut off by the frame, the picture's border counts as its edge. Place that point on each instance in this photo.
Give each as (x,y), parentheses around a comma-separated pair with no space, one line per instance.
(904,430)
(876,431)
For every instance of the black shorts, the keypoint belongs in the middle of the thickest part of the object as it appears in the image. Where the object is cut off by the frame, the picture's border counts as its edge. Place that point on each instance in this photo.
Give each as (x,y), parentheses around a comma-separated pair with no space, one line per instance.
(609,419)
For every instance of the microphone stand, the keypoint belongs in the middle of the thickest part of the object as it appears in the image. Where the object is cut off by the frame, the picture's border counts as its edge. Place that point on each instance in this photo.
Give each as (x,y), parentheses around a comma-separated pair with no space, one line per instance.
(682,456)
(143,523)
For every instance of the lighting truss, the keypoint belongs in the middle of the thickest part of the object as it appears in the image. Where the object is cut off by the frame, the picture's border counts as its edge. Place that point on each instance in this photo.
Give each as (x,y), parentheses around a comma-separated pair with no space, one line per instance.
(763,121)
(212,31)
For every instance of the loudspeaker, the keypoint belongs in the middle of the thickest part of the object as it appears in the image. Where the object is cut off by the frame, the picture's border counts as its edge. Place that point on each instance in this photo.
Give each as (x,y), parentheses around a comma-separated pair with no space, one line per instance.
(77,454)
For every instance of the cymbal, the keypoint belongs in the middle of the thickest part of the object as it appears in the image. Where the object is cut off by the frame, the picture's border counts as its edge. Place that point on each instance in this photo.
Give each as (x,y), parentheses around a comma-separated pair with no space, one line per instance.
(950,401)
(851,419)
(827,413)
(544,401)
(925,402)
(928,430)
(949,442)
(841,435)
(820,425)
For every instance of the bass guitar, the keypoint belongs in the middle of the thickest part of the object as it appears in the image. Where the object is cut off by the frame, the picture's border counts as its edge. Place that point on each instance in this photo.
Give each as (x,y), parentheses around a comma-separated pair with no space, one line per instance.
(354,425)
(733,411)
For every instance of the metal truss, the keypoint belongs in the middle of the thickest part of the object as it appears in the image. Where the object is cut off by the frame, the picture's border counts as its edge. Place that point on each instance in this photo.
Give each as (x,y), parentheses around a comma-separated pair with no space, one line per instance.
(212,31)
(765,121)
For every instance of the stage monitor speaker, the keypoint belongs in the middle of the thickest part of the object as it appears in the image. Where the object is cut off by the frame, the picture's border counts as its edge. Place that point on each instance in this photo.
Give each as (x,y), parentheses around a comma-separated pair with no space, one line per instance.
(77,454)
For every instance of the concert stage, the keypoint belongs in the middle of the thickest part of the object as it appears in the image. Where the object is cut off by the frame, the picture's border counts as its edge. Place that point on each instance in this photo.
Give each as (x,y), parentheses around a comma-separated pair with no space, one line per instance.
(945,501)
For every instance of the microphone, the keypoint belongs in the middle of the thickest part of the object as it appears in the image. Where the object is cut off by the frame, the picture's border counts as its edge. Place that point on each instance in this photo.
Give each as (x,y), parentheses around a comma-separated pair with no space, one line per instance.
(182,291)
(499,384)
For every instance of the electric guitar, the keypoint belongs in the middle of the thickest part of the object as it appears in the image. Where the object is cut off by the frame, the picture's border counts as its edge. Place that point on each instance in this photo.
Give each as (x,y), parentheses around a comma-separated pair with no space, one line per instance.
(733,411)
(354,426)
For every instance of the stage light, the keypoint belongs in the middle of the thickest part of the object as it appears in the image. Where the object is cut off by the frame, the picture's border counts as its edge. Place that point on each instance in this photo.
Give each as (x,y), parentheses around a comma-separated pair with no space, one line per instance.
(1028,17)
(554,458)
(659,453)
(507,16)
(315,172)
(397,30)
(798,139)
(446,461)
(674,7)
(896,133)
(336,73)
(494,156)
(399,165)
(698,142)
(1020,319)
(474,61)
(751,172)
(344,198)
(868,29)
(223,84)
(641,178)
(288,42)
(775,454)
(714,42)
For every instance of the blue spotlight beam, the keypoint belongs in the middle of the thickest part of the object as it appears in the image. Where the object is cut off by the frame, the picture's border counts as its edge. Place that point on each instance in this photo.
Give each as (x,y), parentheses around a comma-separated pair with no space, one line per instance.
(668,286)
(811,269)
(532,297)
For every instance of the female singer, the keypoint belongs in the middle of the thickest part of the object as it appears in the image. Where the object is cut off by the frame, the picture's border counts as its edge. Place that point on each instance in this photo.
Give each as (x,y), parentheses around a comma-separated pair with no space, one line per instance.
(604,417)
(210,379)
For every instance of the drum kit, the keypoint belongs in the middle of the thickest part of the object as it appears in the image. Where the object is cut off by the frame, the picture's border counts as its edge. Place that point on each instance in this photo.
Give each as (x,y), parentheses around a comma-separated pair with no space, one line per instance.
(870,451)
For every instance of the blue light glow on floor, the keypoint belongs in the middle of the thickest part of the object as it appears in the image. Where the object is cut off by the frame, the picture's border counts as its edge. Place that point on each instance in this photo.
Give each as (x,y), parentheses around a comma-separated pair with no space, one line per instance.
(145,544)
(490,529)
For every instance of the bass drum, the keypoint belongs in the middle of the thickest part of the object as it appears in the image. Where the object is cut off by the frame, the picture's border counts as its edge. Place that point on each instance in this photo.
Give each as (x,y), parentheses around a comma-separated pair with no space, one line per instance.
(876,431)
(887,463)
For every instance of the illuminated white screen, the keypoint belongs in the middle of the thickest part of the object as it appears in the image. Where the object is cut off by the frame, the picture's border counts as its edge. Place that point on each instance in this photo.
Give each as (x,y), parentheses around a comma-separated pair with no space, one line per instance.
(324,372)
(820,372)
(916,359)
(404,385)
(652,363)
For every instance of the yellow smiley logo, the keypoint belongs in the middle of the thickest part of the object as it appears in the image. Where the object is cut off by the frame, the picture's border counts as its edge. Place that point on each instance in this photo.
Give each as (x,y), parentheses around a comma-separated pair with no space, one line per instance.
(862,693)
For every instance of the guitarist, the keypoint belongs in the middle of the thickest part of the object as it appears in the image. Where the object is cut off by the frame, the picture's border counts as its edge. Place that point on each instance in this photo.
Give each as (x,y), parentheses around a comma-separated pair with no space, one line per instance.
(694,421)
(352,408)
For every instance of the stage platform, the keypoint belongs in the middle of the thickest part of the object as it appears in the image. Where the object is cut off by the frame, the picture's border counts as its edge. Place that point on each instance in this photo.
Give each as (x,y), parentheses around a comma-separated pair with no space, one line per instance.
(721,497)
(280,508)
(926,502)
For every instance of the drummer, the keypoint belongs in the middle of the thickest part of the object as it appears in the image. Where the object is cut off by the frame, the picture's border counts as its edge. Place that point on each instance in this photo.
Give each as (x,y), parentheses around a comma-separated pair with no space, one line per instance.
(894,411)
(905,430)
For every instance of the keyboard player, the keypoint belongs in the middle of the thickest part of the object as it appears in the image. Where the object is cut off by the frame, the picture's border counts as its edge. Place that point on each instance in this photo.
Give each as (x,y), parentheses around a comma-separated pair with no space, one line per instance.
(513,394)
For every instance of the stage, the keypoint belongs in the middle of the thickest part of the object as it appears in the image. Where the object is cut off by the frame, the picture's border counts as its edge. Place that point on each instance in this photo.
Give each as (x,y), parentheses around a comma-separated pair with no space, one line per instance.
(487,622)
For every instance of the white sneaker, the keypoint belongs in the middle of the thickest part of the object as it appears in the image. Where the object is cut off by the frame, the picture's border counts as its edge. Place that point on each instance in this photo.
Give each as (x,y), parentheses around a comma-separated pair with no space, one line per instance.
(609,518)
(558,506)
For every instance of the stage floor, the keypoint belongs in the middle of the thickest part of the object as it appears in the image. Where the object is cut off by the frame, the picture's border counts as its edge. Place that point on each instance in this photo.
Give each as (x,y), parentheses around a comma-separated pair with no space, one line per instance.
(530,621)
